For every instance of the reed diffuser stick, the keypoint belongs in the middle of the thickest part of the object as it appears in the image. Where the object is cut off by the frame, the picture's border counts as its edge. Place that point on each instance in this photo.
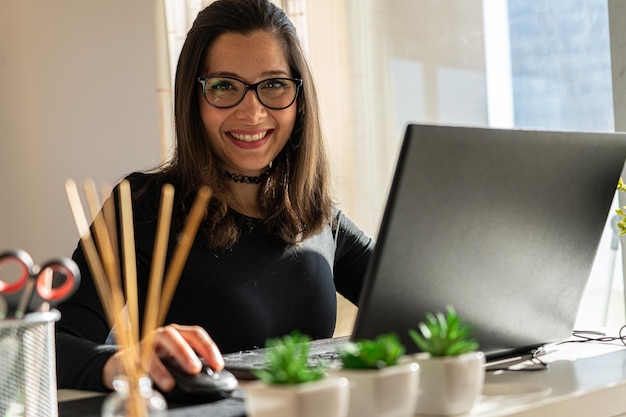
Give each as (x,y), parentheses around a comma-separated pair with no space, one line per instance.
(89,247)
(156,274)
(104,243)
(190,228)
(110,263)
(135,401)
(110,218)
(128,253)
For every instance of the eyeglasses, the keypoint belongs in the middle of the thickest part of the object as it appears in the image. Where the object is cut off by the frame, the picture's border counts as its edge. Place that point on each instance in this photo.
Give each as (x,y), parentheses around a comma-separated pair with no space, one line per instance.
(273,93)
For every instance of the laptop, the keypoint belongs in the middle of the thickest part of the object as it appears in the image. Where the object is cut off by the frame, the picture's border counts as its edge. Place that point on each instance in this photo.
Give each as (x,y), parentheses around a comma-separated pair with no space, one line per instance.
(501,224)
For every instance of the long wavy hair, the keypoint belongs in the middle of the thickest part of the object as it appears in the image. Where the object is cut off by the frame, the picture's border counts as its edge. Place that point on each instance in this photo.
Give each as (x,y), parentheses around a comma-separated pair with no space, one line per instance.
(295,198)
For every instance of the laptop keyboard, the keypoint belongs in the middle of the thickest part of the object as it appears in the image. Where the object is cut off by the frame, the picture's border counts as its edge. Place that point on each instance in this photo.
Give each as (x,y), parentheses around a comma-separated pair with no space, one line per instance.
(324,352)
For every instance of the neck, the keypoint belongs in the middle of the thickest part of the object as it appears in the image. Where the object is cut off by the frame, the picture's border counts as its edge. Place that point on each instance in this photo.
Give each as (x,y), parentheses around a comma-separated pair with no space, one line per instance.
(245,200)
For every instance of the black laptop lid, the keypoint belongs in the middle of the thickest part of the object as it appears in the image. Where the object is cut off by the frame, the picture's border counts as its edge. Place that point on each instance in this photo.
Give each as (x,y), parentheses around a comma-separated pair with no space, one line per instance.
(502,224)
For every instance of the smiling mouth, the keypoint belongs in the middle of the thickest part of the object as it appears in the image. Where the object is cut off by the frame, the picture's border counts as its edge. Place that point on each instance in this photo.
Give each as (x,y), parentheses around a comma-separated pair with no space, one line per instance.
(249,138)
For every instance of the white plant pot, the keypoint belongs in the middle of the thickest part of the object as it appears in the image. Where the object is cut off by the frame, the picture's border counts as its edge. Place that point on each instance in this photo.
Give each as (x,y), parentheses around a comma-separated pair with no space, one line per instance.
(386,392)
(449,385)
(327,397)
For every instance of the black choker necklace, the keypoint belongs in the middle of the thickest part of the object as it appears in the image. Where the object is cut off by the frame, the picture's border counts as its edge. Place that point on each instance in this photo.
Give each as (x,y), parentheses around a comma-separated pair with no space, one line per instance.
(245,179)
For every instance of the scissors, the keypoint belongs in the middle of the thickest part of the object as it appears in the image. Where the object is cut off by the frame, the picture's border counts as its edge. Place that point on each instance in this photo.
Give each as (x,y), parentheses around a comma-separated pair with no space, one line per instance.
(26,291)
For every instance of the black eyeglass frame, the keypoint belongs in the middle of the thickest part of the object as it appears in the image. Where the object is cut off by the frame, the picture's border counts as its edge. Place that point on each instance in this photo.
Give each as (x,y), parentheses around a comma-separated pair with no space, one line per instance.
(251,87)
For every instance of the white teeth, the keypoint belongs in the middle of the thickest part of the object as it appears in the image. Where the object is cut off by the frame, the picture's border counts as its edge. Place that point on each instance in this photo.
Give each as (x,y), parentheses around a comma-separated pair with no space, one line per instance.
(249,138)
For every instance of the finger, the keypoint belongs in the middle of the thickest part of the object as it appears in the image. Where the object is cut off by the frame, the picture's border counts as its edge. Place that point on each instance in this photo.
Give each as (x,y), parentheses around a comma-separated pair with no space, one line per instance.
(170,341)
(160,375)
(202,343)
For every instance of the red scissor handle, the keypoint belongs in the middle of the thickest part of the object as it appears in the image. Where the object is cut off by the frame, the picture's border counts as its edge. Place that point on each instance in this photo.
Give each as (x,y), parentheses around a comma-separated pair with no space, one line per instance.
(68,269)
(24,261)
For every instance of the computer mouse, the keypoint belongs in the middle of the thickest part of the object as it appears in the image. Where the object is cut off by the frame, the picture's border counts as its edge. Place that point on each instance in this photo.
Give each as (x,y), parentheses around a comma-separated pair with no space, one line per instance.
(206,386)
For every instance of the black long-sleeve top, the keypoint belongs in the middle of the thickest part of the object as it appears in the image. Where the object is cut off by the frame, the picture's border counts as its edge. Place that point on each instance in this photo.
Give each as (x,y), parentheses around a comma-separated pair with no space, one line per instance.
(260,288)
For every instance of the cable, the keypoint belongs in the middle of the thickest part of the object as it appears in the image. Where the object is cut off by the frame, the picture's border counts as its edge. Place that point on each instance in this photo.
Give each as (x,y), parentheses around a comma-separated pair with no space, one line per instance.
(585,336)
(536,364)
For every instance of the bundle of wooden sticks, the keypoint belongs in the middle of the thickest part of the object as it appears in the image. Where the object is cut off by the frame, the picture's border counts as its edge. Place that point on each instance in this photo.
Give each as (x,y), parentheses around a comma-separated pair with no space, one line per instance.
(103,257)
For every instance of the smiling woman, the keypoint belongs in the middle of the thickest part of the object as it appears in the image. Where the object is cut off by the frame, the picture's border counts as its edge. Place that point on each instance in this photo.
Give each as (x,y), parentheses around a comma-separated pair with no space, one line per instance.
(272,250)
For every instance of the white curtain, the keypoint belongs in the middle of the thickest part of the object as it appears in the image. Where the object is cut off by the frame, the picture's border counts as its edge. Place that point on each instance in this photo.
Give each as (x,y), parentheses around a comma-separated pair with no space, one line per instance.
(173,18)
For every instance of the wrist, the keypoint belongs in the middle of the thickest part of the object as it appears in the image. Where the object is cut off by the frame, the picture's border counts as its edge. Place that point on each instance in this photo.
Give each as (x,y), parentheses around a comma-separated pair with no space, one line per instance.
(111,370)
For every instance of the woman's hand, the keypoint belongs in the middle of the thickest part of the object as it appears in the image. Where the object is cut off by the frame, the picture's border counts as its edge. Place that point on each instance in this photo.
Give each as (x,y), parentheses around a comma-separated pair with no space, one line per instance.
(183,343)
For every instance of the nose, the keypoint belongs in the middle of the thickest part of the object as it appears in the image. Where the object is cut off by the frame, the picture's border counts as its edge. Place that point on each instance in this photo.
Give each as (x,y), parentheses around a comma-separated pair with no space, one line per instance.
(250,107)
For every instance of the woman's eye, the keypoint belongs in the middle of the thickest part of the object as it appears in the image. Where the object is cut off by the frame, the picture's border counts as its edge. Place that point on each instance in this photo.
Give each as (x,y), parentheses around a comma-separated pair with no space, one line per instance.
(275,84)
(222,86)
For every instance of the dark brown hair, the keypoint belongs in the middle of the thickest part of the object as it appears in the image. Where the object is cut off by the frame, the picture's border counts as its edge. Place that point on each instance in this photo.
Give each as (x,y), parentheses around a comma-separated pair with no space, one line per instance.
(295,199)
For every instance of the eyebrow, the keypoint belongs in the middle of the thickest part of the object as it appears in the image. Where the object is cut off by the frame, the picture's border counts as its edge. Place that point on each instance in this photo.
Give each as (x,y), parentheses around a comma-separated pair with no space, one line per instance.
(272,73)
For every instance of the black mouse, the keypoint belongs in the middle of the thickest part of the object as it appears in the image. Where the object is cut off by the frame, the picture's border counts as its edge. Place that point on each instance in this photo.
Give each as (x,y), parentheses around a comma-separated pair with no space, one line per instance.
(206,386)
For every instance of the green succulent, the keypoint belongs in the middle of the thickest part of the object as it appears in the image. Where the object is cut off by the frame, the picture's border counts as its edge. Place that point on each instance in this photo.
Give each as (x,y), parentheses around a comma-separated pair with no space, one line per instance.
(286,361)
(383,351)
(444,334)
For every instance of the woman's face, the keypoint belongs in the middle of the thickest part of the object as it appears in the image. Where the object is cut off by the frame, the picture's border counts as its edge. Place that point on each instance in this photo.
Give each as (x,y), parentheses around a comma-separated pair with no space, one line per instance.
(247,137)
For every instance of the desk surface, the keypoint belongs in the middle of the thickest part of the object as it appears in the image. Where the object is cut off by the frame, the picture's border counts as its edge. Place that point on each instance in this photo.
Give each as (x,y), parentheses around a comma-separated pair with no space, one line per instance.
(583,379)
(78,404)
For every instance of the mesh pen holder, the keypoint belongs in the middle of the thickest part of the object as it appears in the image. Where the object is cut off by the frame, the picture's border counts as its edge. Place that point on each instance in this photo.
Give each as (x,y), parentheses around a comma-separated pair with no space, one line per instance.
(28,366)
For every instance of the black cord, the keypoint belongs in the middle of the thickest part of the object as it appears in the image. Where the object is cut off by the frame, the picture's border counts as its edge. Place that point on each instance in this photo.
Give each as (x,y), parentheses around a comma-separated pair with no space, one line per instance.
(585,336)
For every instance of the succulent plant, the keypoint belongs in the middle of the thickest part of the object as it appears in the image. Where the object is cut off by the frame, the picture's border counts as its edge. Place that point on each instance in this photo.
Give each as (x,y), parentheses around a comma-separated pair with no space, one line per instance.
(444,334)
(286,361)
(383,351)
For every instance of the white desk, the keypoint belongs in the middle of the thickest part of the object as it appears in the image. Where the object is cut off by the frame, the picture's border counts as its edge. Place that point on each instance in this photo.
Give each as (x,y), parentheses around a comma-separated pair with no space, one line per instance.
(583,379)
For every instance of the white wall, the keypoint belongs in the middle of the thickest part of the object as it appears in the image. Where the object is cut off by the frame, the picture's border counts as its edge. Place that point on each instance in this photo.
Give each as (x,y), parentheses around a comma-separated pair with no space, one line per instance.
(77,100)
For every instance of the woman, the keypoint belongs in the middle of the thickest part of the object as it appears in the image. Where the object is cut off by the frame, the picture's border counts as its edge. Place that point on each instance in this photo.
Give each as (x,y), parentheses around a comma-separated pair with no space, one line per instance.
(272,250)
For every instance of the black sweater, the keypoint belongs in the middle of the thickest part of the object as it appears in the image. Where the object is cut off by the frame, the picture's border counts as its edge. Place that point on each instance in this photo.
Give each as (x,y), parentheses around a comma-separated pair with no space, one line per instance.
(260,288)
